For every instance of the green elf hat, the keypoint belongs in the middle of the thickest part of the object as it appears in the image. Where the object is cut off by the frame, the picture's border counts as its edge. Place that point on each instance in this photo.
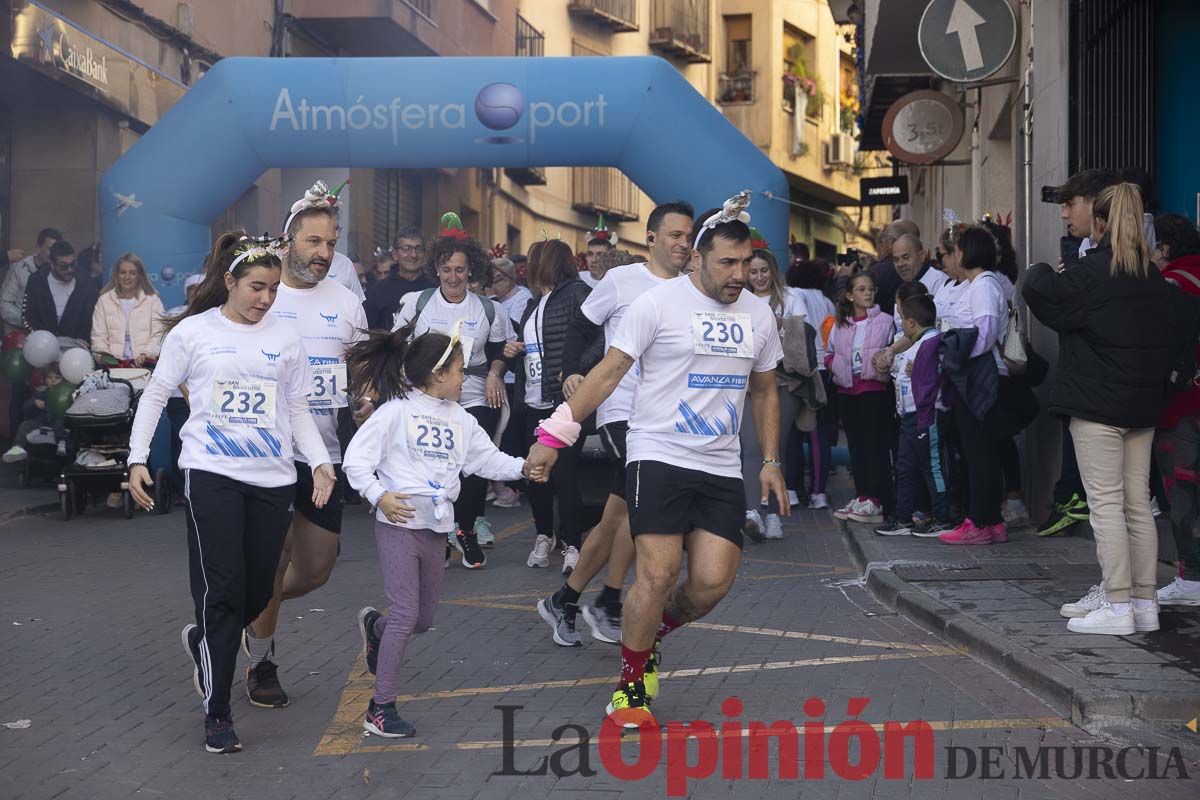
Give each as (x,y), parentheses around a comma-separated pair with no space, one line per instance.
(602,234)
(757,240)
(452,227)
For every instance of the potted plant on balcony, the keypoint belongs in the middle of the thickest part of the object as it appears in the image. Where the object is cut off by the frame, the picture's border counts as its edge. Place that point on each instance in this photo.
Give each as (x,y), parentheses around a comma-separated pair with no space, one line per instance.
(849,110)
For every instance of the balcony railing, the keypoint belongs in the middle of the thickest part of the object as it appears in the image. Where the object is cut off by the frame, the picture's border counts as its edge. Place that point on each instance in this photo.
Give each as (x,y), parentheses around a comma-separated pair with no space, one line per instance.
(681,28)
(601,190)
(737,88)
(527,176)
(530,41)
(620,15)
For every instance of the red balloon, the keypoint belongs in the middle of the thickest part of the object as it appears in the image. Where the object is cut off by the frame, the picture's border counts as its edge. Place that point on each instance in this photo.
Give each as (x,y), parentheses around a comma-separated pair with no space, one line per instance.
(13,340)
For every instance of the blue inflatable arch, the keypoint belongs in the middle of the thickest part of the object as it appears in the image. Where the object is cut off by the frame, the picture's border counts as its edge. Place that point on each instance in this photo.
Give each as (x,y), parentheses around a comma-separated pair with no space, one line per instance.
(248,115)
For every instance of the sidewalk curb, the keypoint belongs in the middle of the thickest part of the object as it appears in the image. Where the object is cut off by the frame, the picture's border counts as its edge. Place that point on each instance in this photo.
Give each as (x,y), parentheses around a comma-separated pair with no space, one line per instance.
(1086,706)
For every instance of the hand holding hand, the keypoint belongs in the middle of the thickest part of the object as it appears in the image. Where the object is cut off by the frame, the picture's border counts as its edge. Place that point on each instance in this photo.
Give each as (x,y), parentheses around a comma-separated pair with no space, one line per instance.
(571,385)
(541,461)
(882,360)
(513,349)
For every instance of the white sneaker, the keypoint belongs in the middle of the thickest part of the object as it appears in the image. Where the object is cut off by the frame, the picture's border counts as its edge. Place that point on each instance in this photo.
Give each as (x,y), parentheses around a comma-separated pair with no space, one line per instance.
(1180,593)
(507,497)
(868,512)
(754,526)
(1145,619)
(540,555)
(1084,605)
(774,529)
(14,455)
(491,494)
(570,559)
(845,511)
(1154,509)
(818,501)
(1104,620)
(1014,512)
(793,498)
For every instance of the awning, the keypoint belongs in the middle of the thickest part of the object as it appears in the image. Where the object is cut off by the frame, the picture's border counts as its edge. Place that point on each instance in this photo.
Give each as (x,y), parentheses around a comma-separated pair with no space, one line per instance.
(892,62)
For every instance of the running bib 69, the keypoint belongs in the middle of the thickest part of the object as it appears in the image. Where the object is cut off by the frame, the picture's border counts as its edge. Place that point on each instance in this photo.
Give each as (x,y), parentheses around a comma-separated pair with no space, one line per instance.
(533,363)
(248,402)
(716,333)
(329,386)
(434,438)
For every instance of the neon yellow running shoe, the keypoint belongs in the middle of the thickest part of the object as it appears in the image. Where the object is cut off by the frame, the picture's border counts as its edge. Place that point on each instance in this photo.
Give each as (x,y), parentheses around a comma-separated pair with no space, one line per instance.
(650,677)
(632,700)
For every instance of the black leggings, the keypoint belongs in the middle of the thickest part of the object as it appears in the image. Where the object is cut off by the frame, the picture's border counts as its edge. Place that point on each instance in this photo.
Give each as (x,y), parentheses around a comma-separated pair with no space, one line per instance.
(563,486)
(867,419)
(473,494)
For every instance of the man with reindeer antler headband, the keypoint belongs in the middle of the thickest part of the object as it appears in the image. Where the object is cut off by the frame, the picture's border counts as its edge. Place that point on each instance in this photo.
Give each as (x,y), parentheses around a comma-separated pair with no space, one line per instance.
(329,318)
(701,342)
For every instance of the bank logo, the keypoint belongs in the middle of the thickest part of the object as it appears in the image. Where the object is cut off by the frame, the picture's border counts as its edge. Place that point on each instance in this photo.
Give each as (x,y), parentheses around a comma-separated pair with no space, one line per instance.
(699,380)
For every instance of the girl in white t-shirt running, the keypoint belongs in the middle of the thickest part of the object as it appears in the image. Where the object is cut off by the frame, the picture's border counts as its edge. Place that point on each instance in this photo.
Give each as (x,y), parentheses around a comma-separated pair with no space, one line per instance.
(406,460)
(247,379)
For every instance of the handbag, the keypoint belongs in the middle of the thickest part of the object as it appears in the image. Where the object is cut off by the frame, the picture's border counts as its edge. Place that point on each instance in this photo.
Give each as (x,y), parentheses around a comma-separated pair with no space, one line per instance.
(1014,343)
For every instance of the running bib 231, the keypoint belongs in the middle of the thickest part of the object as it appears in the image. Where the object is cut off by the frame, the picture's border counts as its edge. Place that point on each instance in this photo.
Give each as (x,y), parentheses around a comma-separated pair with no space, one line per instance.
(717,333)
(329,386)
(434,438)
(243,402)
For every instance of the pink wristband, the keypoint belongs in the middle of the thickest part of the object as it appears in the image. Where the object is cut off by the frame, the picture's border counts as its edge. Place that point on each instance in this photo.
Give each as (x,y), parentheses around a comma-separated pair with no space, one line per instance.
(549,440)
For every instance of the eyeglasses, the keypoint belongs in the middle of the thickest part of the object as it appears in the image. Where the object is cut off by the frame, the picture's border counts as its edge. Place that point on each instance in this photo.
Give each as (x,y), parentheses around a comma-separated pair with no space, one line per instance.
(410,248)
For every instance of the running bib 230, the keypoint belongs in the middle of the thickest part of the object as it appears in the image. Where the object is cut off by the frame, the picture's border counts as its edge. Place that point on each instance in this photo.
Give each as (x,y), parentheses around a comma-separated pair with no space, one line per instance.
(717,333)
(248,402)
(329,386)
(434,438)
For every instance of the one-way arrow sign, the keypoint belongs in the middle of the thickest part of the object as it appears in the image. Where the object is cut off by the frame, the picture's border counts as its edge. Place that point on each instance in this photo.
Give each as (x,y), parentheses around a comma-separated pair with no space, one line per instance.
(967,40)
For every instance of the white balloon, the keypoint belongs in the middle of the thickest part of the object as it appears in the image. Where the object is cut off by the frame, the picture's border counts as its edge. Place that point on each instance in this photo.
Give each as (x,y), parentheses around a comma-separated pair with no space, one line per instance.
(41,348)
(75,365)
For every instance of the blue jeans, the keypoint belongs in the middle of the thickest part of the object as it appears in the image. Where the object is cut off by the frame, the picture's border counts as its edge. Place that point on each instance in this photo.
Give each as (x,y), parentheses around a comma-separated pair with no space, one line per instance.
(918,462)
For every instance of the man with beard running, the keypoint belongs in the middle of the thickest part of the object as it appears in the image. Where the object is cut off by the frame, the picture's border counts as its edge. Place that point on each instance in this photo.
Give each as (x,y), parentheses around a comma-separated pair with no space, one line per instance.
(329,318)
(701,341)
(668,235)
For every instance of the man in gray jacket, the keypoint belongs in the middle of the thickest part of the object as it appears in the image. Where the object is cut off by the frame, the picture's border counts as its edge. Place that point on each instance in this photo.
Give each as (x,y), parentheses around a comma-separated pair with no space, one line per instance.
(12,293)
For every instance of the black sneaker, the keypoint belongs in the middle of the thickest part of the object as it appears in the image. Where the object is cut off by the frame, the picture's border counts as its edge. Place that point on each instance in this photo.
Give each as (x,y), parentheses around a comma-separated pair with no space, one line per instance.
(382,720)
(191,643)
(367,617)
(891,527)
(1058,521)
(262,686)
(219,736)
(931,528)
(472,553)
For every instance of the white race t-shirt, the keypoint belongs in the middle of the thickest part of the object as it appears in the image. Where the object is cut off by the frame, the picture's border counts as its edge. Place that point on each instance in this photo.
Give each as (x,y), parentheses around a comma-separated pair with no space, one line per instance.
(440,316)
(514,307)
(341,270)
(933,279)
(243,382)
(902,366)
(606,306)
(533,356)
(329,319)
(696,355)
(817,308)
(985,298)
(951,310)
(589,279)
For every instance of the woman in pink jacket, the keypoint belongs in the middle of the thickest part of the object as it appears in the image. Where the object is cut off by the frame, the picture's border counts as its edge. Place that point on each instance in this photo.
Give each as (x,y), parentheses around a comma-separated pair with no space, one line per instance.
(864,401)
(127,322)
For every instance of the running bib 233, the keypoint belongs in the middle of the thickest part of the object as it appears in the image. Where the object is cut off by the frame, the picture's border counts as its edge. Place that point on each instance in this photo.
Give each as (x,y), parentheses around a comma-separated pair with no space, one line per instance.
(248,402)
(434,438)
(717,333)
(329,386)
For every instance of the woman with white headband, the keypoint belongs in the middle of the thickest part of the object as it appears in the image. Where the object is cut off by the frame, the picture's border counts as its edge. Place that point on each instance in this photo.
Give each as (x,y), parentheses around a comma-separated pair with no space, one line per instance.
(406,460)
(247,379)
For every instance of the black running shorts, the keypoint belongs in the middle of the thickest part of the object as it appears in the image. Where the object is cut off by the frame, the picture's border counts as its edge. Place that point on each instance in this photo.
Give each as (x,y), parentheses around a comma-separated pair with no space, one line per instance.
(329,517)
(664,498)
(612,436)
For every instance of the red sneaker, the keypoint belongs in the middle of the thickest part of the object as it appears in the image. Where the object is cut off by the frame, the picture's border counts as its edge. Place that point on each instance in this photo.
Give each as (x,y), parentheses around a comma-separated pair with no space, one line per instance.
(967,533)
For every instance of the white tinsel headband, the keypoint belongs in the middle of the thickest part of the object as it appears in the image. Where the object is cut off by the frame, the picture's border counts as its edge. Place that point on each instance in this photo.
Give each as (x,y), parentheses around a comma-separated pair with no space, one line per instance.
(318,196)
(261,247)
(733,210)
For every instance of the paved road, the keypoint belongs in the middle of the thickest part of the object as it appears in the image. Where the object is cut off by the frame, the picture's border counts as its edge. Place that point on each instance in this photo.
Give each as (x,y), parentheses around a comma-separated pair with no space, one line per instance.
(90,614)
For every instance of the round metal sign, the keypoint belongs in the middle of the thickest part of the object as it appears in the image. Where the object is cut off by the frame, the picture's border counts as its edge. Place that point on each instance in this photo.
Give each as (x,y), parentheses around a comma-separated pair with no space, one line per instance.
(967,40)
(923,127)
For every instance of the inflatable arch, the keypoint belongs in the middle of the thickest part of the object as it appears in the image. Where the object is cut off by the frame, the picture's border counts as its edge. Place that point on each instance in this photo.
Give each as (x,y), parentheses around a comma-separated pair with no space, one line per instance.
(248,115)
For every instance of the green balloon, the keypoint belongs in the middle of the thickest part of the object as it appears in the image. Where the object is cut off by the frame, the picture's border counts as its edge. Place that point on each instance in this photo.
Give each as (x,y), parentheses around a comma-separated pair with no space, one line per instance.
(58,399)
(13,366)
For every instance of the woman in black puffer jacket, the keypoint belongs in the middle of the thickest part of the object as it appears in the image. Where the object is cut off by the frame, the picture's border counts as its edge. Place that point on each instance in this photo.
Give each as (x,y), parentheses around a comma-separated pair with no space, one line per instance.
(558,294)
(1114,358)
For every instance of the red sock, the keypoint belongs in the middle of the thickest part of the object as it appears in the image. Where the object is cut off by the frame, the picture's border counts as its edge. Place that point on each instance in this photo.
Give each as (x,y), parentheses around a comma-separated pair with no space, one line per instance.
(633,664)
(666,626)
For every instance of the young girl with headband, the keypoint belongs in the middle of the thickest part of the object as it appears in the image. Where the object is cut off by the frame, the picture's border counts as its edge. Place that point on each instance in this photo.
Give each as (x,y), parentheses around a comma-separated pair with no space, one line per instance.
(247,379)
(406,460)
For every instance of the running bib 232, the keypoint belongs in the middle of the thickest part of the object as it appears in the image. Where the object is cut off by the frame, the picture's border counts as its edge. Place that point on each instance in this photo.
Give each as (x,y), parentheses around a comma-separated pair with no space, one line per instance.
(329,386)
(717,333)
(243,402)
(434,438)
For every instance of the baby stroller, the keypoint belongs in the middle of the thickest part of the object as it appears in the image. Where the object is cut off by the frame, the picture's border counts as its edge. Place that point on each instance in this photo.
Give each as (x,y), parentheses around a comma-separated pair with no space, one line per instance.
(98,426)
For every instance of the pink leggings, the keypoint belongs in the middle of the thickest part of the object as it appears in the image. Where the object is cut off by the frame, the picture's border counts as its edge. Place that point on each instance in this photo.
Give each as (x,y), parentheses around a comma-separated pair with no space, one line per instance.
(413,562)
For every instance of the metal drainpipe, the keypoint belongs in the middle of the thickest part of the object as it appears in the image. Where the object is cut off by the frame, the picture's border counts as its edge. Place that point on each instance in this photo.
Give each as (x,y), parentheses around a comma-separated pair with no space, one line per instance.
(1027,135)
(977,161)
